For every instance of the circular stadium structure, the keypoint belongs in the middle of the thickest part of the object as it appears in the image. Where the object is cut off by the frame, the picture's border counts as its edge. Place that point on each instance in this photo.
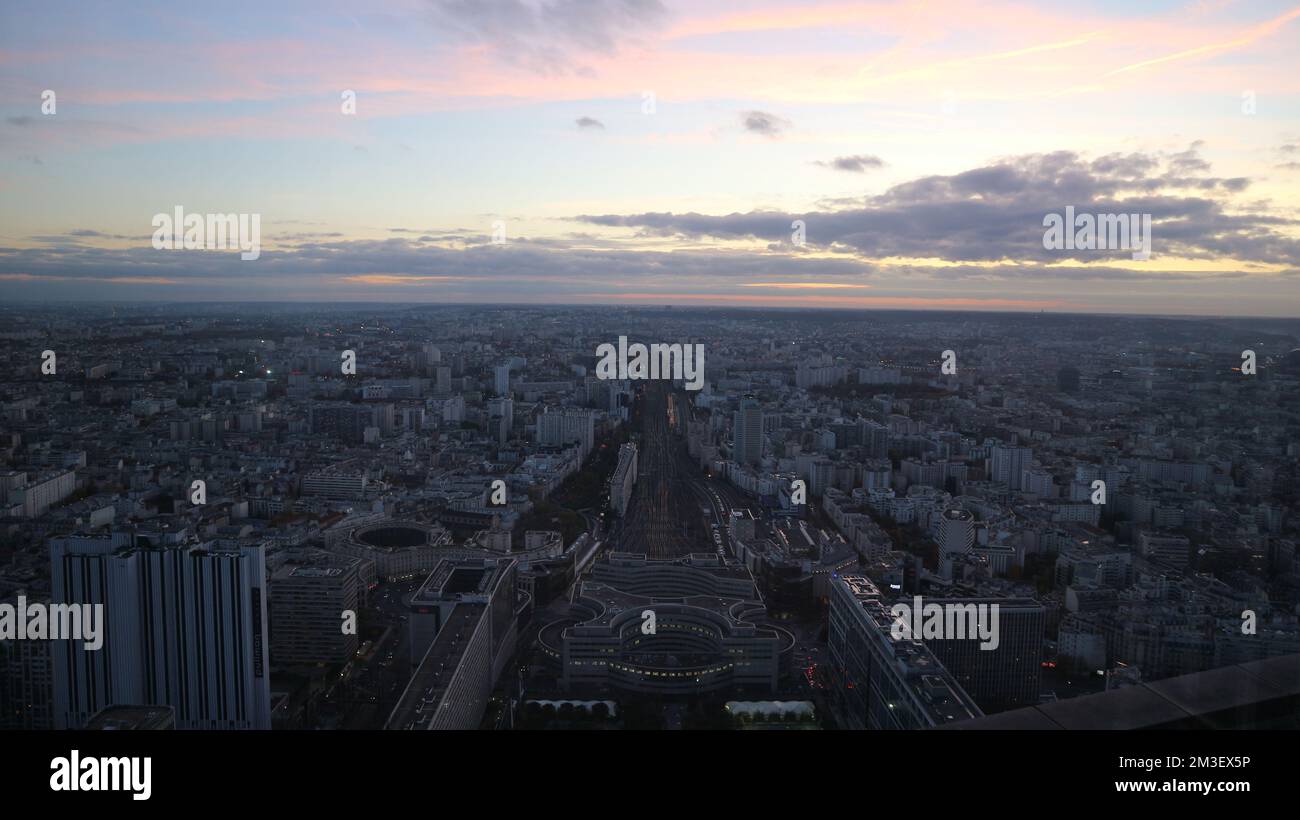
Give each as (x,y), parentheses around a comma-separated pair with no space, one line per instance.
(400,549)
(403,548)
(397,535)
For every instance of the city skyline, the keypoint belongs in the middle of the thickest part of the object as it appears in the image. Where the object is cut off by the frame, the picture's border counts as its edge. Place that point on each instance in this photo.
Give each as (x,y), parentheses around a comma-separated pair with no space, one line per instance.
(921,374)
(419,517)
(919,149)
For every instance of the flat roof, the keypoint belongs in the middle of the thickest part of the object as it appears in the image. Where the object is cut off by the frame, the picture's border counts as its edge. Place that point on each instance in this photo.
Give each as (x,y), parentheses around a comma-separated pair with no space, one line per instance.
(419,702)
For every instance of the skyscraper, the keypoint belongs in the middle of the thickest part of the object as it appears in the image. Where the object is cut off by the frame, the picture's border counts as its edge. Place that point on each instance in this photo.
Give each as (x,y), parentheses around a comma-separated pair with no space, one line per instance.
(747,432)
(185,625)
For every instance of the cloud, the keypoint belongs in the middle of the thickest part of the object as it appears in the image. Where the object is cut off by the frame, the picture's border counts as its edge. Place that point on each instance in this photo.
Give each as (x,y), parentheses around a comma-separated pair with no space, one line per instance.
(87,232)
(552,37)
(520,259)
(20,121)
(541,261)
(567,271)
(75,237)
(856,164)
(974,235)
(763,123)
(1189,161)
(1288,151)
(588,122)
(995,213)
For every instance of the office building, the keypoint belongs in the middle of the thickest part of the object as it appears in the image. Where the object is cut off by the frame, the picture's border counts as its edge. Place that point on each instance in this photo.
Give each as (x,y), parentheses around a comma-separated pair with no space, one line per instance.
(468,606)
(747,432)
(1173,550)
(185,625)
(558,428)
(883,682)
(1007,464)
(345,422)
(956,537)
(26,681)
(308,597)
(335,483)
(1005,676)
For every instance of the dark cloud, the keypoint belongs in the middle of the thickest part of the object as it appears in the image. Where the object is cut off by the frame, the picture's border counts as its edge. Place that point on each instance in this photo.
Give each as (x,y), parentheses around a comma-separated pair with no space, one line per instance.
(763,123)
(302,236)
(995,213)
(588,122)
(498,268)
(1189,161)
(20,121)
(542,259)
(856,164)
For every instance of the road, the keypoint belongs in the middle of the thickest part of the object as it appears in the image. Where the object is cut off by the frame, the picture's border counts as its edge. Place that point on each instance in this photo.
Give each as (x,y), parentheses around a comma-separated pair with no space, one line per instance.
(378,680)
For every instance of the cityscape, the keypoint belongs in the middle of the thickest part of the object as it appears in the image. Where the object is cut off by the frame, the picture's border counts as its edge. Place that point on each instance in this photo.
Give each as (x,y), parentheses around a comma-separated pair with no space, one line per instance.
(412,517)
(400,396)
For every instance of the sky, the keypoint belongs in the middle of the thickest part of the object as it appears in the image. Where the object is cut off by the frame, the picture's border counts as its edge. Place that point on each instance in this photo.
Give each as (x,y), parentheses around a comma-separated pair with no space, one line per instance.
(648,152)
